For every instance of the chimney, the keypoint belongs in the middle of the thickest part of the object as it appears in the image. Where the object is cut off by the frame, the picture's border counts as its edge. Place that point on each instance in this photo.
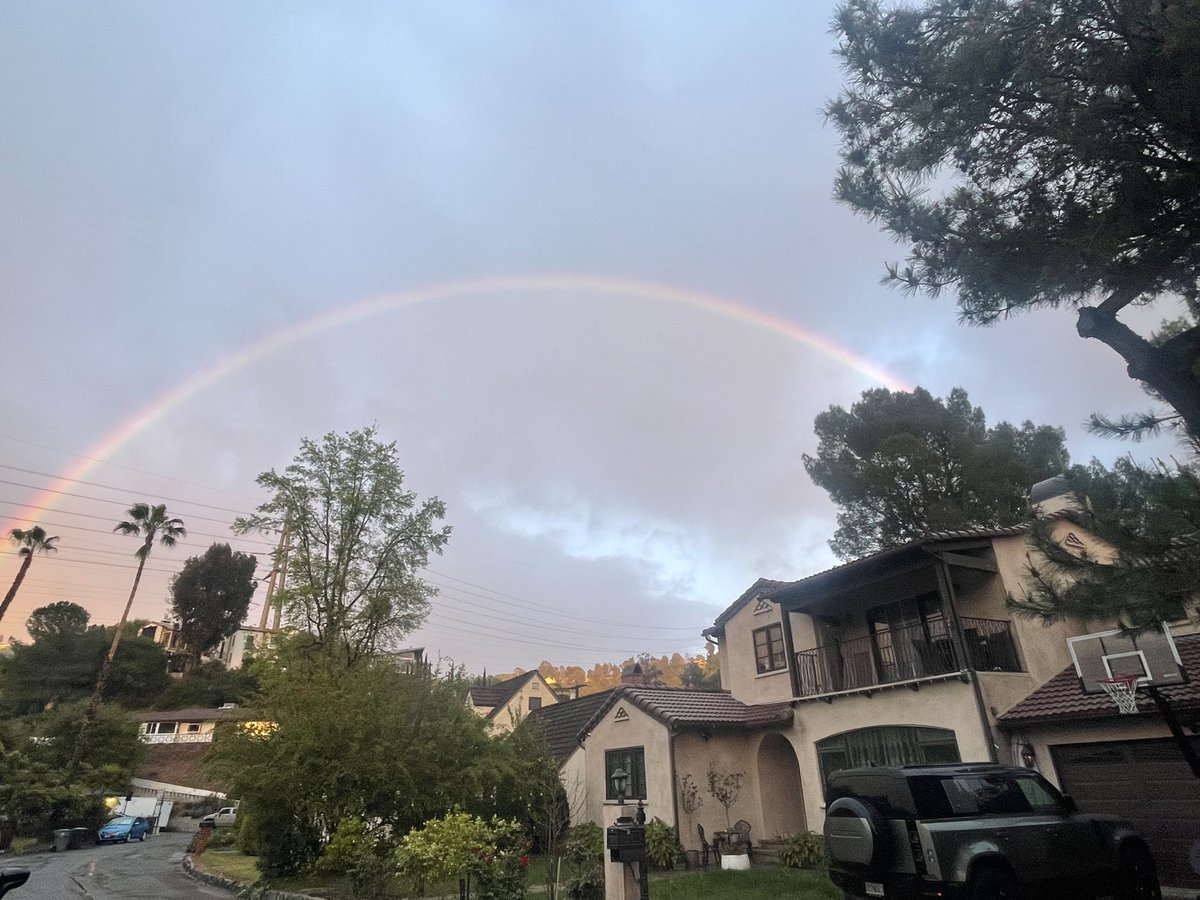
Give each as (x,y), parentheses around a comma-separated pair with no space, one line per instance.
(633,675)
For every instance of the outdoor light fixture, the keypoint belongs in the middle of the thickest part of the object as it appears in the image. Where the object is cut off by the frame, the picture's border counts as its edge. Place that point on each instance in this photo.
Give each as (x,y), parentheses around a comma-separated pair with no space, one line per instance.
(620,781)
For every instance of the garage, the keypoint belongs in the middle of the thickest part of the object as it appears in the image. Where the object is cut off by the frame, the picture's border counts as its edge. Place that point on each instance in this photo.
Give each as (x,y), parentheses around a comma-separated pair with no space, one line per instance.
(1148,783)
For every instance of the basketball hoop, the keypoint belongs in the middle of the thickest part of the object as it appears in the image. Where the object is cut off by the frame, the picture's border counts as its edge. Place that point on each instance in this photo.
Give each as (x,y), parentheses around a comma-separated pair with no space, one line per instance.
(1123,691)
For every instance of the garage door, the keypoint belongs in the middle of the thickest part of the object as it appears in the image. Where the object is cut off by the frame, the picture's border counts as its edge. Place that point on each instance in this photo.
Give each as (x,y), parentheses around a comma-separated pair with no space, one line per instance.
(1148,783)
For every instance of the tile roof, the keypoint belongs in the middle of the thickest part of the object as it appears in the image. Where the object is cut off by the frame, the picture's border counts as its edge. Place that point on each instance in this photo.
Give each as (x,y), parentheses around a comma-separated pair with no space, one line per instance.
(687,709)
(1061,698)
(496,695)
(190,714)
(562,723)
(762,586)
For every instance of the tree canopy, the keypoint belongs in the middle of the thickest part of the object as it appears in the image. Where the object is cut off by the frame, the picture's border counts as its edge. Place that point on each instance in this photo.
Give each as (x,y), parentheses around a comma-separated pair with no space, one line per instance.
(210,596)
(901,465)
(358,541)
(1036,153)
(30,541)
(62,668)
(54,619)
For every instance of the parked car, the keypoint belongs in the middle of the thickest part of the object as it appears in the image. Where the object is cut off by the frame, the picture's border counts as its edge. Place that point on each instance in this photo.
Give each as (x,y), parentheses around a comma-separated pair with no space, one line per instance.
(12,878)
(123,829)
(976,831)
(226,816)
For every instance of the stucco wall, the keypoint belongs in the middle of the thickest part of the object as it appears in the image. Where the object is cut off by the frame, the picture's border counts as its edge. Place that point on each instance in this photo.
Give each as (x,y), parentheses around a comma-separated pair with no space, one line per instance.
(946,704)
(584,806)
(638,730)
(739,674)
(728,753)
(517,707)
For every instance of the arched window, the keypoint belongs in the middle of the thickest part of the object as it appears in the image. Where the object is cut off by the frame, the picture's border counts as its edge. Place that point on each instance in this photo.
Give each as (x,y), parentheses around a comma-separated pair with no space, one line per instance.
(888,745)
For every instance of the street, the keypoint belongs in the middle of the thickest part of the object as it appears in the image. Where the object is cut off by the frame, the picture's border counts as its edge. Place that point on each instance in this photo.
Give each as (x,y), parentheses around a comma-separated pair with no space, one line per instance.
(150,870)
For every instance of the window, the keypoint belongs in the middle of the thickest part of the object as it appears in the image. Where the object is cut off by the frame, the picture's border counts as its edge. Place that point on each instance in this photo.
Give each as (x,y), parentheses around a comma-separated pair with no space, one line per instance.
(632,760)
(768,649)
(193,727)
(943,797)
(160,728)
(535,703)
(898,745)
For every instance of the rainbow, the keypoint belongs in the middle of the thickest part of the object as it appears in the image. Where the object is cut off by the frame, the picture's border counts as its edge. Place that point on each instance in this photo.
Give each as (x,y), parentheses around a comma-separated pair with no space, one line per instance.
(335,318)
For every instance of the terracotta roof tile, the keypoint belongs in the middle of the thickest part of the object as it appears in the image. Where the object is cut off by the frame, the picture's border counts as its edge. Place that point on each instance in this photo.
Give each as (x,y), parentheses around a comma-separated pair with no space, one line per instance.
(1061,698)
(683,708)
(562,723)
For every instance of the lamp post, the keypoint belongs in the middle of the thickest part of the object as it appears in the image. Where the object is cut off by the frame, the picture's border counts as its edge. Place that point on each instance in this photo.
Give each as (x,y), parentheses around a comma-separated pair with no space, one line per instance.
(620,781)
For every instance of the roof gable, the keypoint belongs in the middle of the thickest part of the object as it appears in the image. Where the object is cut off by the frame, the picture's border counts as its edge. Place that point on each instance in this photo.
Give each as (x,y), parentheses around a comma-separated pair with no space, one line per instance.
(496,695)
(562,724)
(687,709)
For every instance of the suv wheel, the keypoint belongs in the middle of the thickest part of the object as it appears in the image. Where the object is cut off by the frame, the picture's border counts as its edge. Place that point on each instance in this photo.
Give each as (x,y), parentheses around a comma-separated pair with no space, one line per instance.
(1138,876)
(992,882)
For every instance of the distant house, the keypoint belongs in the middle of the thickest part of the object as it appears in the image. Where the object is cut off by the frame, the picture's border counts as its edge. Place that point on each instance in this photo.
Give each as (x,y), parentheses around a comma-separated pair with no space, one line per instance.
(194,725)
(506,703)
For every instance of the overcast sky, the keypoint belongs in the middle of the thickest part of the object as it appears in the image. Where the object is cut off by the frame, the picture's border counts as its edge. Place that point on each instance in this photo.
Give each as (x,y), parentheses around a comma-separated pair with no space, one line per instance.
(181,181)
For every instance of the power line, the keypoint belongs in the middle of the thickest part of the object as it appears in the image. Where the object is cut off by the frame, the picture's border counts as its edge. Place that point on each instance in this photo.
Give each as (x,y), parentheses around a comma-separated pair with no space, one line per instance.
(121,466)
(34,487)
(67,512)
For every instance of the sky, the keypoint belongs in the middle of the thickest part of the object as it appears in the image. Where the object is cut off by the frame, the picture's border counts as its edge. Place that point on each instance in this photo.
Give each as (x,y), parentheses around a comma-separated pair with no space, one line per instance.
(581,262)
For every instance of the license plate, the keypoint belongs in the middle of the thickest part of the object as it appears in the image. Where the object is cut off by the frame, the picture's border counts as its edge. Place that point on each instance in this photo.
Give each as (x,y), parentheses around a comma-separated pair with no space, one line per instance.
(873,888)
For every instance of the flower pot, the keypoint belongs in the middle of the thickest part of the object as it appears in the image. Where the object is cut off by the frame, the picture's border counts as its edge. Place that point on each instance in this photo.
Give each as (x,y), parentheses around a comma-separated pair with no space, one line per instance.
(693,858)
(738,862)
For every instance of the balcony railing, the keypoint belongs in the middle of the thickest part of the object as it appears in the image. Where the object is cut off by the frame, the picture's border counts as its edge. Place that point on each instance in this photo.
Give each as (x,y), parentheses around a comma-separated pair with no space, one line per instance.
(905,654)
(178,737)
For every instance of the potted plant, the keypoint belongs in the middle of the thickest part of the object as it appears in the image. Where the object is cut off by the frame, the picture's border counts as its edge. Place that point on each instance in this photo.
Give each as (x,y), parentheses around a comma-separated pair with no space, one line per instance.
(726,787)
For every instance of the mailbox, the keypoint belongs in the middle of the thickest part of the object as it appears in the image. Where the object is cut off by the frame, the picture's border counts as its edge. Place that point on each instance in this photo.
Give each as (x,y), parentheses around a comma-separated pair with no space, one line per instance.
(627,841)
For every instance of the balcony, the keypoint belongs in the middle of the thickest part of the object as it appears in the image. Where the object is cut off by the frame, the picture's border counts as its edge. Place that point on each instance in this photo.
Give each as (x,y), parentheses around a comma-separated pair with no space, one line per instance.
(905,654)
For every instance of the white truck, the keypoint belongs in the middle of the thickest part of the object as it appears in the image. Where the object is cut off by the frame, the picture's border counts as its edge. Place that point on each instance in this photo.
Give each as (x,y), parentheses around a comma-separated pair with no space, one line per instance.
(225,816)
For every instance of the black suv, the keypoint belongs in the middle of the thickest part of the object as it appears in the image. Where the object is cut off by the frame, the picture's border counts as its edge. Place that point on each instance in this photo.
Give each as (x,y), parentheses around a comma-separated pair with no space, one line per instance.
(975,831)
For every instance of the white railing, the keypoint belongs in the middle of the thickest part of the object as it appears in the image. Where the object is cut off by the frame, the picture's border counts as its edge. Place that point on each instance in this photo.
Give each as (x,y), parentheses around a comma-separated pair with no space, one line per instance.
(179,737)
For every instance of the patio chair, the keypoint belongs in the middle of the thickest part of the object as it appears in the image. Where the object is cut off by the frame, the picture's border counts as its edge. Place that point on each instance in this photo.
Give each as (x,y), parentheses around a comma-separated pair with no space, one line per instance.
(742,829)
(705,847)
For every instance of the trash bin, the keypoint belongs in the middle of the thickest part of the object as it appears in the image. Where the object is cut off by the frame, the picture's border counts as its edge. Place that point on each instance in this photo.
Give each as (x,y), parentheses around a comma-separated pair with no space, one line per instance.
(79,837)
(62,839)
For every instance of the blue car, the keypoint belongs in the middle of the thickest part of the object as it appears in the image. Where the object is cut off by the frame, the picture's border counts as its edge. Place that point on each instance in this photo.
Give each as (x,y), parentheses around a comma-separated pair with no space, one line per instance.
(123,829)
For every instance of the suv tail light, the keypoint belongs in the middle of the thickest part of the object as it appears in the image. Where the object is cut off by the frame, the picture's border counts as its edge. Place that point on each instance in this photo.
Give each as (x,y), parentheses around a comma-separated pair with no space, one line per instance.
(914,844)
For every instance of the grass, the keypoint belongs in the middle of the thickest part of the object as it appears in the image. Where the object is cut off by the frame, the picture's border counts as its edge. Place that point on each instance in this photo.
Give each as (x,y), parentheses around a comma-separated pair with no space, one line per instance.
(757,884)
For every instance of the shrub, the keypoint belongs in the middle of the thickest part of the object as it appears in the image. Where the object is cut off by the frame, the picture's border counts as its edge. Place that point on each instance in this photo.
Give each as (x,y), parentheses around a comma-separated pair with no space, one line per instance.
(661,845)
(247,833)
(450,846)
(804,850)
(585,855)
(499,876)
(223,838)
(349,846)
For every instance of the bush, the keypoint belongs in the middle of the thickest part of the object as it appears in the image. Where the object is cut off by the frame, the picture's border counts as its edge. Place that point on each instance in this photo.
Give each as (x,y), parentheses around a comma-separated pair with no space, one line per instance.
(349,846)
(499,876)
(661,845)
(223,838)
(805,850)
(448,847)
(585,855)
(247,833)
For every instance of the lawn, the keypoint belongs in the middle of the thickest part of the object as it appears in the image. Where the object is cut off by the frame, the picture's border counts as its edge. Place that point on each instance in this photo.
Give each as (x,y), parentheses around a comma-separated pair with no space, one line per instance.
(757,884)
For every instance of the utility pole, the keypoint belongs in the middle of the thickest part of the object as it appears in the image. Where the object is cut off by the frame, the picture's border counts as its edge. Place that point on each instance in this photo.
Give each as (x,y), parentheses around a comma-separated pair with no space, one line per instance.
(280,572)
(286,546)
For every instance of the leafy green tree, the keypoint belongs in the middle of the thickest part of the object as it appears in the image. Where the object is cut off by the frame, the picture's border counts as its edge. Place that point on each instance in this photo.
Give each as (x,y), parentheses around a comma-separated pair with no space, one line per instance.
(31,541)
(62,668)
(1035,153)
(1149,520)
(114,744)
(150,523)
(209,685)
(54,619)
(366,742)
(901,465)
(358,543)
(210,596)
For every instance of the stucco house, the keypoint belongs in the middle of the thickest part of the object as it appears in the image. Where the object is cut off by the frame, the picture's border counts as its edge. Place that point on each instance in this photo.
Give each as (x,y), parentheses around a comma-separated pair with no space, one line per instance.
(507,702)
(906,656)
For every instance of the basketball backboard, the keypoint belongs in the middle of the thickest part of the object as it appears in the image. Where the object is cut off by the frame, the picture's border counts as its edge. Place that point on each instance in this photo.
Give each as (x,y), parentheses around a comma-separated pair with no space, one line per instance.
(1150,656)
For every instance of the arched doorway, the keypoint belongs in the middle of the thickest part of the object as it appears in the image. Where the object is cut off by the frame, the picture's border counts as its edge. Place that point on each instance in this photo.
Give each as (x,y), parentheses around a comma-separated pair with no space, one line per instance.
(779,787)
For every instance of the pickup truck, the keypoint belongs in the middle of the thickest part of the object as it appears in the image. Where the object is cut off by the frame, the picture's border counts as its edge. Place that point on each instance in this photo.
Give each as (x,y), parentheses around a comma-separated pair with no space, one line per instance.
(225,816)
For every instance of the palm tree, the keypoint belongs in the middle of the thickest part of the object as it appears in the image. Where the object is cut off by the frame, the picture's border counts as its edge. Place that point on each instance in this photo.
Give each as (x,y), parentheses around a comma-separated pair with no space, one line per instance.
(32,540)
(148,523)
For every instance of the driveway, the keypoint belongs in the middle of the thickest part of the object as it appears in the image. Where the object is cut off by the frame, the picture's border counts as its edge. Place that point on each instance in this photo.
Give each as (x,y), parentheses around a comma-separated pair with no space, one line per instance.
(149,870)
